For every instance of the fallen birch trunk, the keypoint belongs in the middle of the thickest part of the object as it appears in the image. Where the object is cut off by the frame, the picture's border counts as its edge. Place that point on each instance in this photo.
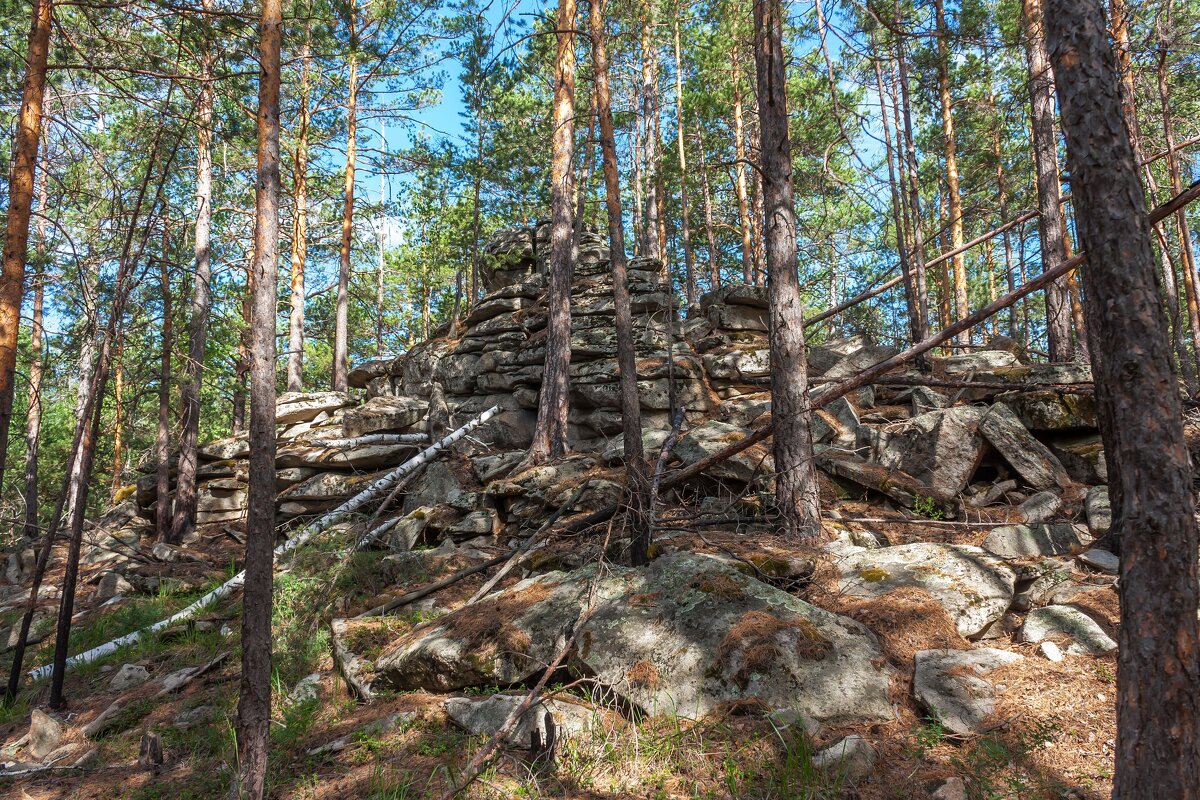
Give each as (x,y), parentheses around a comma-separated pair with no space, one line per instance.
(371,438)
(226,589)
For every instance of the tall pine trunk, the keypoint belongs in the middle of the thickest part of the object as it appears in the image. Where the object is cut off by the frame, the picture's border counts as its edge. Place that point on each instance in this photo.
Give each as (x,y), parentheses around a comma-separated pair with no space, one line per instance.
(183,521)
(1150,481)
(341,329)
(254,696)
(796,494)
(1052,231)
(652,147)
(739,169)
(631,414)
(20,206)
(958,270)
(911,188)
(162,440)
(714,268)
(550,432)
(295,364)
(33,424)
(689,266)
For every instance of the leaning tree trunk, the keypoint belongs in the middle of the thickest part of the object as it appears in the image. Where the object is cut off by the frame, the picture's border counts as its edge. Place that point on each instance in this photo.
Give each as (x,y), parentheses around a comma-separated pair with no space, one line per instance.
(254,697)
(20,206)
(796,493)
(631,414)
(295,364)
(341,328)
(550,432)
(183,520)
(1052,231)
(1158,662)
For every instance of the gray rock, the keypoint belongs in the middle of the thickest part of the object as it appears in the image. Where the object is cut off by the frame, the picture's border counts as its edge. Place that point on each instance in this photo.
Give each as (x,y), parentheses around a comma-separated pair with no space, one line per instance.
(687,634)
(1048,410)
(1032,460)
(1051,651)
(45,732)
(193,716)
(949,685)
(291,407)
(973,586)
(850,759)
(942,449)
(306,690)
(713,436)
(1101,561)
(1067,622)
(1026,541)
(383,414)
(486,715)
(951,789)
(1099,511)
(225,449)
(978,361)
(128,676)
(372,729)
(1039,507)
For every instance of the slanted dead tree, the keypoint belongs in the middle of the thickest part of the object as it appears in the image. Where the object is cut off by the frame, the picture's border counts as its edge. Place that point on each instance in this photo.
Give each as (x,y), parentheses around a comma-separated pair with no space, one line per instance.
(1137,403)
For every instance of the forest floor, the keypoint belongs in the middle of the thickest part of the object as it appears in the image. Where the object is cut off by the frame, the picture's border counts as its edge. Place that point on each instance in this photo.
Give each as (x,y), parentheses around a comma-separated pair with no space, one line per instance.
(1051,736)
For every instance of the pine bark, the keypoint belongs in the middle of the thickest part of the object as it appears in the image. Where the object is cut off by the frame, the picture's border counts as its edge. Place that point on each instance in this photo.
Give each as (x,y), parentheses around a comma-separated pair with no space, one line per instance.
(739,169)
(33,424)
(254,698)
(341,330)
(652,148)
(911,187)
(20,207)
(631,414)
(962,302)
(1052,231)
(796,494)
(691,292)
(1158,708)
(550,432)
(183,520)
(714,268)
(295,364)
(162,440)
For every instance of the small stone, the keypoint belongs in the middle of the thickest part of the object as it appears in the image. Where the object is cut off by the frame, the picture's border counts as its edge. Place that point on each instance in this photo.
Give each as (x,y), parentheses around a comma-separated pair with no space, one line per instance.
(1040,507)
(1101,561)
(112,584)
(44,734)
(852,759)
(950,686)
(192,716)
(1051,651)
(952,789)
(128,676)
(307,690)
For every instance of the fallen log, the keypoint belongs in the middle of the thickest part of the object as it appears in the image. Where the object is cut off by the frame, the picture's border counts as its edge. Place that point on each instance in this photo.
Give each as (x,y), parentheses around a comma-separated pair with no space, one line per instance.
(373,490)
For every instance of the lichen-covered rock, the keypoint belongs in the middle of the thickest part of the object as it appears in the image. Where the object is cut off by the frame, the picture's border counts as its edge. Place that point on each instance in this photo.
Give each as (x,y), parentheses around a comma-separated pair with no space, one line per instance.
(1049,410)
(714,436)
(383,414)
(1032,460)
(942,449)
(486,715)
(688,634)
(972,585)
(293,407)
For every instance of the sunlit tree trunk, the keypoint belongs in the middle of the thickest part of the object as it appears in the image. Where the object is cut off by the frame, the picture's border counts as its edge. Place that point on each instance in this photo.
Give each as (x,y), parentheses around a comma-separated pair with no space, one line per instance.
(962,302)
(739,169)
(183,520)
(911,188)
(652,147)
(689,267)
(1150,481)
(20,206)
(33,424)
(550,432)
(714,268)
(162,439)
(341,331)
(299,254)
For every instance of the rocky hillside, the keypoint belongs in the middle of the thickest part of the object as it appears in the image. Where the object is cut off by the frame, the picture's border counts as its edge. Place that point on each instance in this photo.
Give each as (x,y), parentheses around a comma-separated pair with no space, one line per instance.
(951,636)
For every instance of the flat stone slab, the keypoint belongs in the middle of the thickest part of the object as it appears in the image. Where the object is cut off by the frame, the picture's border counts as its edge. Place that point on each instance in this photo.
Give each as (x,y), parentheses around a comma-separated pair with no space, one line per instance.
(1032,460)
(949,685)
(1101,561)
(1082,632)
(974,587)
(1099,511)
(1031,541)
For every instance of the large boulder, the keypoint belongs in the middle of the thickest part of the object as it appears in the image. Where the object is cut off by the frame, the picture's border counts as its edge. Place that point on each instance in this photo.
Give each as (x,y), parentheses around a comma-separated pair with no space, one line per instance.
(942,448)
(1027,541)
(383,414)
(1062,622)
(712,437)
(300,407)
(684,636)
(486,716)
(1032,460)
(689,634)
(974,587)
